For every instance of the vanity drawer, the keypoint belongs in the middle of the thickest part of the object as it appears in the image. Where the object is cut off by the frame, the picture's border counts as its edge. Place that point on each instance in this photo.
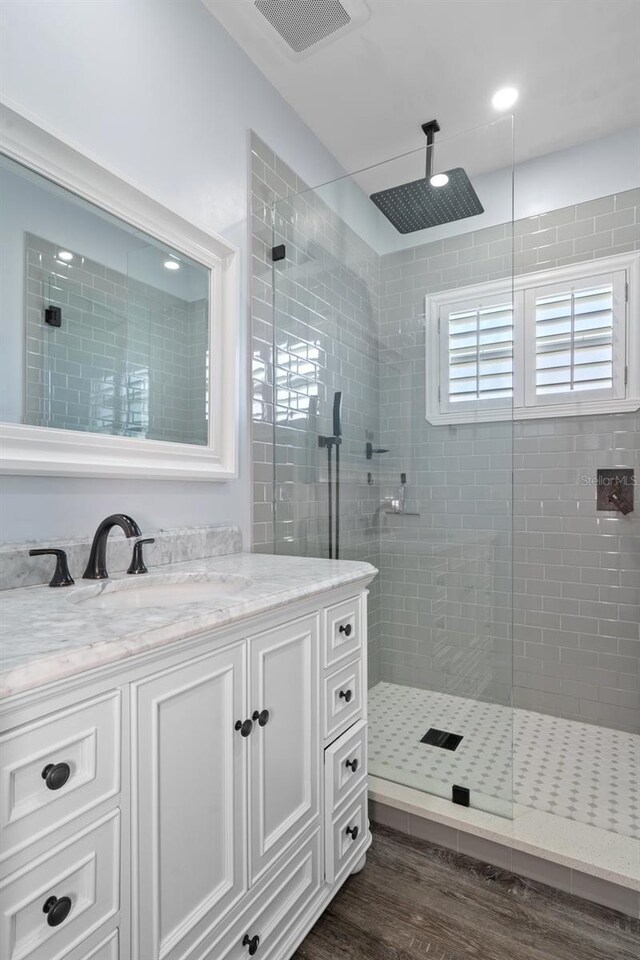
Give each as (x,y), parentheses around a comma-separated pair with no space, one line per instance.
(80,750)
(343,632)
(347,837)
(342,698)
(345,767)
(86,870)
(106,948)
(272,913)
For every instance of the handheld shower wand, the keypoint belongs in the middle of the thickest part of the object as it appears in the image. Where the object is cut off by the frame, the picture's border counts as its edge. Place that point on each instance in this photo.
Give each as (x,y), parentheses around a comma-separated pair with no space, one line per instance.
(337,436)
(337,415)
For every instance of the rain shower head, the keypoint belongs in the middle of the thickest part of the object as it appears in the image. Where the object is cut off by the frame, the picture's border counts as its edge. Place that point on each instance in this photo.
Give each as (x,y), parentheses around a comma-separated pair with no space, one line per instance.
(419,204)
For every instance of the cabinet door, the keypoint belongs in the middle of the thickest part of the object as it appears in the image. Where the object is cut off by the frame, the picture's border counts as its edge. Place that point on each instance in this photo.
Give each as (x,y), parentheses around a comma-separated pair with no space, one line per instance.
(189,800)
(285,752)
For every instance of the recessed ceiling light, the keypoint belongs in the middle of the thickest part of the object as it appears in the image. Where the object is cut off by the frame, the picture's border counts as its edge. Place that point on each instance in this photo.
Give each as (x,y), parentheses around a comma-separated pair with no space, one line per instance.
(504,98)
(65,255)
(172,265)
(439,180)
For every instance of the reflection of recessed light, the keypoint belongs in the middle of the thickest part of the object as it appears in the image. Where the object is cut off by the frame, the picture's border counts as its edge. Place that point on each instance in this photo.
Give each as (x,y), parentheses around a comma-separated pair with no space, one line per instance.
(439,180)
(172,265)
(65,255)
(504,98)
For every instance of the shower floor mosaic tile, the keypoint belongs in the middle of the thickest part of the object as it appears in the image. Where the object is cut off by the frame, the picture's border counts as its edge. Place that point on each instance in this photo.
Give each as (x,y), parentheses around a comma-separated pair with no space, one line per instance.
(575,770)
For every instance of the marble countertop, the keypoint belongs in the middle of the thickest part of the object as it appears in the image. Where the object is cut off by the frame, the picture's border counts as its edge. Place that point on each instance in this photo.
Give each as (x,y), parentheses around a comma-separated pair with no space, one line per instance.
(47,634)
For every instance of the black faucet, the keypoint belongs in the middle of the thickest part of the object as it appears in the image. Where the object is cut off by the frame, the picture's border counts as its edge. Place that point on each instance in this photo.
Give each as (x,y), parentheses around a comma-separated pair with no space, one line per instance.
(97,565)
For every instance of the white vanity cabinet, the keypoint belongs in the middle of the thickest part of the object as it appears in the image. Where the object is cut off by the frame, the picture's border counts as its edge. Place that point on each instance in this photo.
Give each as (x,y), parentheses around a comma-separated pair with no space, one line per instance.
(214,800)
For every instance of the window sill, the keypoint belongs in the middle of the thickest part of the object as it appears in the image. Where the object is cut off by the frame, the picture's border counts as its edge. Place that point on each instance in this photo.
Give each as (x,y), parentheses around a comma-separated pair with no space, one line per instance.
(587,408)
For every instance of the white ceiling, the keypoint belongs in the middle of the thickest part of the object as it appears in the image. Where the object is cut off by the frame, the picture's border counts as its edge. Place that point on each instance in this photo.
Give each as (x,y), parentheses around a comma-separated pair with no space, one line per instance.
(365,94)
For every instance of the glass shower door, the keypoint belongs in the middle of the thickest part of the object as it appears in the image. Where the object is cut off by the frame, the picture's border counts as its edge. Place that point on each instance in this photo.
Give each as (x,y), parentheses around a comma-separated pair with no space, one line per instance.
(381,326)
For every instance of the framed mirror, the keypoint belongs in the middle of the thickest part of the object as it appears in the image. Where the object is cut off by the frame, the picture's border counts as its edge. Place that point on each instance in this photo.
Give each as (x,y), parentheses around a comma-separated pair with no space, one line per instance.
(119,327)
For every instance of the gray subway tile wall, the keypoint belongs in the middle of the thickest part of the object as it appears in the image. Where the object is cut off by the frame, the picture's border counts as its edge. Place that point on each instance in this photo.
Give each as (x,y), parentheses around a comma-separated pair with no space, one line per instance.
(487,571)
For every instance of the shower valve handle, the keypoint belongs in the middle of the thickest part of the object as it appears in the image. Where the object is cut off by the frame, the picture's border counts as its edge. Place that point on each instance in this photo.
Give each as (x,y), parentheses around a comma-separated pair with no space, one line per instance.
(370,450)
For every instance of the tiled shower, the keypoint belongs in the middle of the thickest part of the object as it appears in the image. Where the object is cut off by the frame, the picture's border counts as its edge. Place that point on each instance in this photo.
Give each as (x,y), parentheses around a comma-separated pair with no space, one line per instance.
(507,608)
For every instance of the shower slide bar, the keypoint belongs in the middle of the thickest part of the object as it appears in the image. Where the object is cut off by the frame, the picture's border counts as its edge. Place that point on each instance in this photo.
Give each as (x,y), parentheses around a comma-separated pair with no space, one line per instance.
(333,493)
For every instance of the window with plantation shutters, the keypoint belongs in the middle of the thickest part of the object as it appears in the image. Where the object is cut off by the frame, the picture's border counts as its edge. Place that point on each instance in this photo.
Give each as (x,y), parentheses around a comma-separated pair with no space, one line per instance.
(558,343)
(478,341)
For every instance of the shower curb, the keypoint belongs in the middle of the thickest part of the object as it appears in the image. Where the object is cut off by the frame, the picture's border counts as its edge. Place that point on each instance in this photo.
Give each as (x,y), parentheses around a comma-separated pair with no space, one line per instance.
(573,857)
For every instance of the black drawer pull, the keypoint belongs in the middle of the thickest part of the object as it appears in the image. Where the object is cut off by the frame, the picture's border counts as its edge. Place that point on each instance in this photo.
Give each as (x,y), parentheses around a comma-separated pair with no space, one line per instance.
(244,726)
(252,942)
(346,629)
(55,775)
(262,718)
(345,695)
(354,832)
(353,764)
(56,910)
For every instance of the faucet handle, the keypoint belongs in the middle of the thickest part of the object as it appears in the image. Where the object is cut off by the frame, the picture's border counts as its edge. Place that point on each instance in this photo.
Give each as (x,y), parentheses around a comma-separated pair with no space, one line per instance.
(137,564)
(61,576)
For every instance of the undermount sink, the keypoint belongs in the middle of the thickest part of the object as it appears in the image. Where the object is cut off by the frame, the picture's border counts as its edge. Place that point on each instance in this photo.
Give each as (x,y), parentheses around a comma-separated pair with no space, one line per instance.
(158,591)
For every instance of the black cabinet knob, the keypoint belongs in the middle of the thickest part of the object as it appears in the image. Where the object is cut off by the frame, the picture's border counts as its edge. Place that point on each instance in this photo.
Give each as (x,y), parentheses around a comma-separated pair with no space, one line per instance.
(262,718)
(55,775)
(353,831)
(346,629)
(353,764)
(244,726)
(56,910)
(345,695)
(252,942)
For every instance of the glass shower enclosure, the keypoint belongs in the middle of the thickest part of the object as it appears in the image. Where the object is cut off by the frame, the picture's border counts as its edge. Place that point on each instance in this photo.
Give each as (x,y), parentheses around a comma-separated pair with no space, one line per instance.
(389,349)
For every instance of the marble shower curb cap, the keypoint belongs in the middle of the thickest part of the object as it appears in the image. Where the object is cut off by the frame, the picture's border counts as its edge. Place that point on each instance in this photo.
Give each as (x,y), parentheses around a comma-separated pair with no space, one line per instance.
(578,846)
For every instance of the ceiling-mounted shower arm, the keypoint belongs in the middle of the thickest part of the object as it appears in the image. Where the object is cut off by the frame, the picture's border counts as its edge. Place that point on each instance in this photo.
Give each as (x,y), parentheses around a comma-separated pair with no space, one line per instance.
(430,129)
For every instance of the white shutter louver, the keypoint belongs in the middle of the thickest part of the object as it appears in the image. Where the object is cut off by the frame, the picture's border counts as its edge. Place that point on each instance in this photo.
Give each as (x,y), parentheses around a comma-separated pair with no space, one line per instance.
(574,340)
(480,353)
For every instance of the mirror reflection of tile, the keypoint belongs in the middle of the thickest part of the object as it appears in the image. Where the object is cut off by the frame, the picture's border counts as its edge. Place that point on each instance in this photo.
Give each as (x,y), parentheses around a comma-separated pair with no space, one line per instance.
(128,359)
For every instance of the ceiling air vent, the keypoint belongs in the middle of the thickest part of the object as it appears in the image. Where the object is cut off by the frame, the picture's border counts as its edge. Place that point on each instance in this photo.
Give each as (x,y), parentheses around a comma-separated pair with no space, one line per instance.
(304,23)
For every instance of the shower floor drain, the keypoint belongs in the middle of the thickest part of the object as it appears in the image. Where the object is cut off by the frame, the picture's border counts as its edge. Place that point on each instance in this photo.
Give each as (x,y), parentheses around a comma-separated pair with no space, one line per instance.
(440,738)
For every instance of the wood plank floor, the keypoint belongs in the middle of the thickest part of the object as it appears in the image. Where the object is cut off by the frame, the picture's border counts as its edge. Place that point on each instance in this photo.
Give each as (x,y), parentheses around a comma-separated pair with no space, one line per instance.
(418,901)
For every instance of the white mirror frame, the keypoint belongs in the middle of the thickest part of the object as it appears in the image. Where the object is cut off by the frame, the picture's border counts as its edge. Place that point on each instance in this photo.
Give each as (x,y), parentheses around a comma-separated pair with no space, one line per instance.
(46,451)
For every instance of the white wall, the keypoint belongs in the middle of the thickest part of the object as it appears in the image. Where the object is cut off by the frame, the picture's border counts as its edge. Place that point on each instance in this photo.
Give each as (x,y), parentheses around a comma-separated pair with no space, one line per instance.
(159,93)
